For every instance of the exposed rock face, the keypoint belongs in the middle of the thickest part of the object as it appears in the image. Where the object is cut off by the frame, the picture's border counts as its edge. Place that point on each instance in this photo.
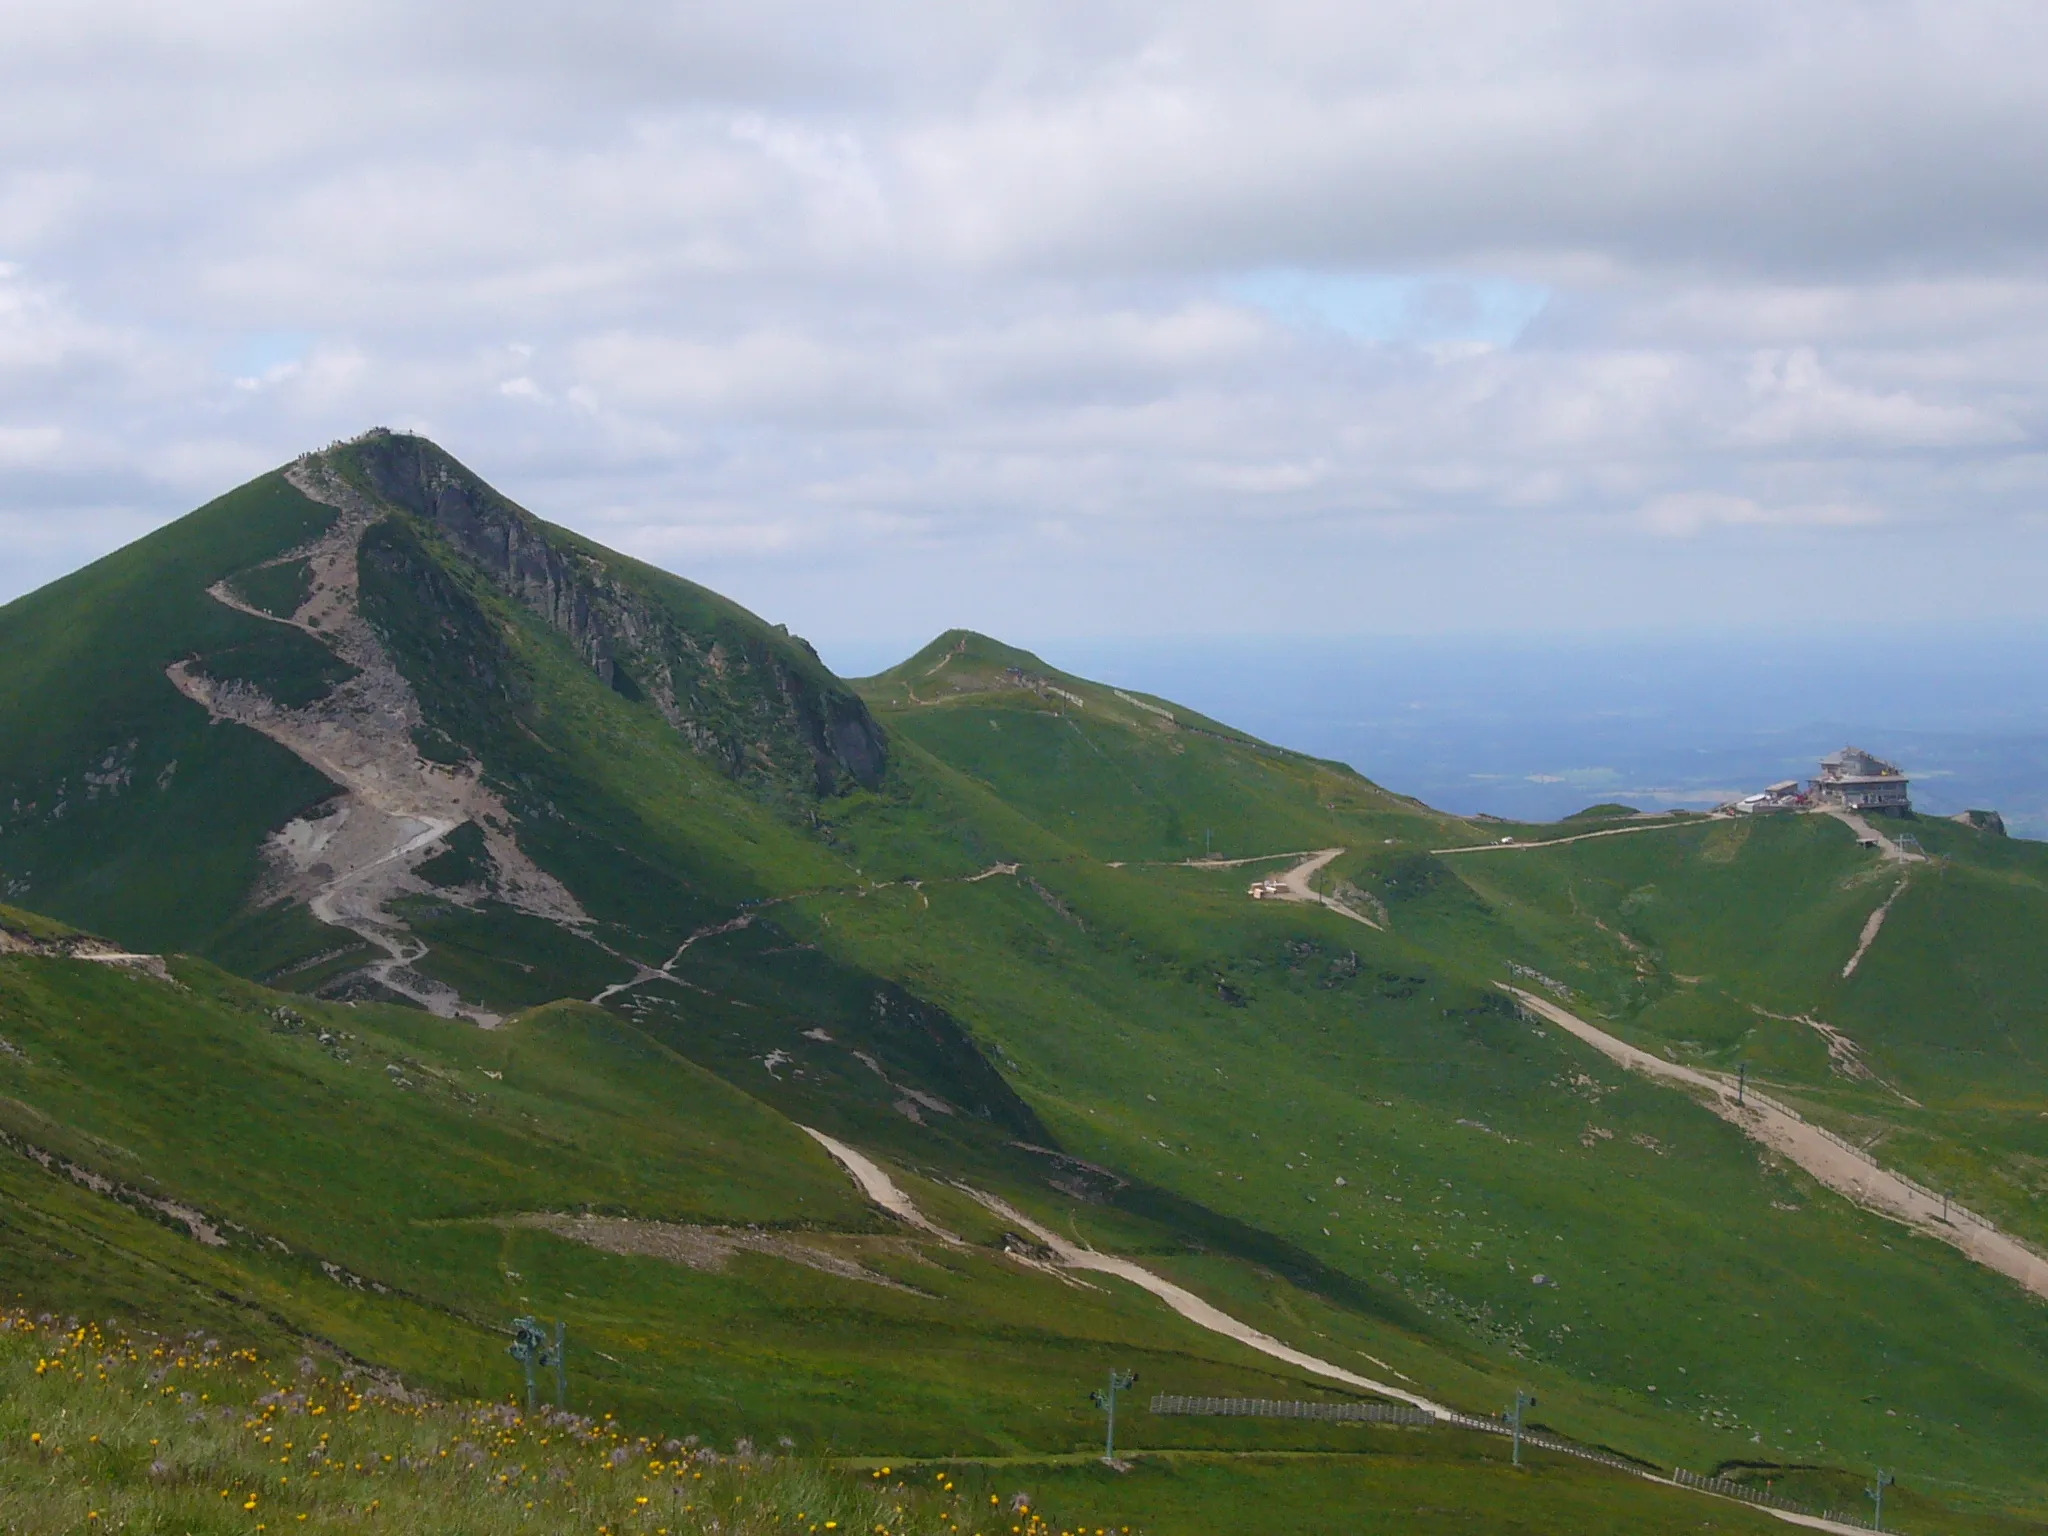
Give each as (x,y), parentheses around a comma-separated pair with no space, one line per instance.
(750,696)
(1983,821)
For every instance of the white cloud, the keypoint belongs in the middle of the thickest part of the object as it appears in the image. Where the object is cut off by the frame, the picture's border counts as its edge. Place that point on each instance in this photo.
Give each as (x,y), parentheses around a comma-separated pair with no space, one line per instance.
(1683,514)
(864,305)
(21,447)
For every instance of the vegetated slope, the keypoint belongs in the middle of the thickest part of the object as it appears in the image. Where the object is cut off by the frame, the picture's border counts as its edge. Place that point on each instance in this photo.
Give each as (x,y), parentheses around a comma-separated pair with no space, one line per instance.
(752,698)
(788,1314)
(1380,1104)
(1164,1025)
(1727,944)
(122,1431)
(122,808)
(1123,776)
(979,949)
(399,1186)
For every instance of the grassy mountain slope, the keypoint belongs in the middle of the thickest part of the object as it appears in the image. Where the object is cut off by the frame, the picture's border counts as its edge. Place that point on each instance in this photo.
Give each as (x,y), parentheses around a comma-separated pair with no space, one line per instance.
(1694,1295)
(959,915)
(747,695)
(399,1186)
(1167,1027)
(324,1450)
(1122,776)
(1726,943)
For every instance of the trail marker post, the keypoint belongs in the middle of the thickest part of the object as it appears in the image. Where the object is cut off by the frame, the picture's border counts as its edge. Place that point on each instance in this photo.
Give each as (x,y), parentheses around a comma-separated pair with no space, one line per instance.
(1884,1481)
(1741,1082)
(1119,1381)
(530,1348)
(1522,1400)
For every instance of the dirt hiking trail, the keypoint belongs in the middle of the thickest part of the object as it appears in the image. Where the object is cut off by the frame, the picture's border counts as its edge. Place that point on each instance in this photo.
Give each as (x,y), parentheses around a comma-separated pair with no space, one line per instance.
(1871,925)
(1868,1185)
(1198,1311)
(1512,846)
(1257,858)
(351,862)
(82,947)
(876,1184)
(1865,832)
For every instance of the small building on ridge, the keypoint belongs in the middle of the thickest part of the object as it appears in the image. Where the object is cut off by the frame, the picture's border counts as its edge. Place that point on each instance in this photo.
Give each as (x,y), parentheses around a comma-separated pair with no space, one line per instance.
(1857,781)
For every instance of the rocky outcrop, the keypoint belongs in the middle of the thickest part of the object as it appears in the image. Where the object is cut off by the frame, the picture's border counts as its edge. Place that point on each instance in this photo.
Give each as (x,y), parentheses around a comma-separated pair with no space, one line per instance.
(744,693)
(1983,821)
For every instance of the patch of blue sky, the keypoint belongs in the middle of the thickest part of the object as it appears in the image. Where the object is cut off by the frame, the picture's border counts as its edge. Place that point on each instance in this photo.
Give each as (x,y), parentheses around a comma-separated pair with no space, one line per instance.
(1399,309)
(261,354)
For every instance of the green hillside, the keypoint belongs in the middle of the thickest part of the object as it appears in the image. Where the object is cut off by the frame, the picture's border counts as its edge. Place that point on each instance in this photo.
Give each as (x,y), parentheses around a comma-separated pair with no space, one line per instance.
(118,805)
(1121,776)
(1726,943)
(398,1187)
(439,761)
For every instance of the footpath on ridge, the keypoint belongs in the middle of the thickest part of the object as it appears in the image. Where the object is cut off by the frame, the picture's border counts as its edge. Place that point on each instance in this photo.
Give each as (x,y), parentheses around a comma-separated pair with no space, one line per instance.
(1511,845)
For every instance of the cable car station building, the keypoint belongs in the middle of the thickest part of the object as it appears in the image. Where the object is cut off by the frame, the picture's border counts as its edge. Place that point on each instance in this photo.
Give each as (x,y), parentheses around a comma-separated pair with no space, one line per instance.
(1856,781)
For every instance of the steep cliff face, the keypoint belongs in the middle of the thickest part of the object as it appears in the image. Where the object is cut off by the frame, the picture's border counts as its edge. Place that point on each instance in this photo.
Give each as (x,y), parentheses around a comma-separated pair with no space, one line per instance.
(741,691)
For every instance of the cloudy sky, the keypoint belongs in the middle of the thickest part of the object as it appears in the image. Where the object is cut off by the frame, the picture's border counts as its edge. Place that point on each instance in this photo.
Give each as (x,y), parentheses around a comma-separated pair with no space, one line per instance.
(1062,320)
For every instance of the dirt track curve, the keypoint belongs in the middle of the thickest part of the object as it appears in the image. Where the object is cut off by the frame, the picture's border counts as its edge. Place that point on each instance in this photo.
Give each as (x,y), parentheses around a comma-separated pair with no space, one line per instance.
(1295,884)
(876,1184)
(1512,846)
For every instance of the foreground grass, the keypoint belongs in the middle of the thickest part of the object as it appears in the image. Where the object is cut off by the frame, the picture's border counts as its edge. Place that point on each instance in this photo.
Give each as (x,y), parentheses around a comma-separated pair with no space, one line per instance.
(101,1433)
(1417,1483)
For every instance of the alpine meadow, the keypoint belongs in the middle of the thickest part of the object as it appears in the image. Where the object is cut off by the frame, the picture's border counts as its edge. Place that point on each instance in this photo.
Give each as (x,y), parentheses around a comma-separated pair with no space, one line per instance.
(419,918)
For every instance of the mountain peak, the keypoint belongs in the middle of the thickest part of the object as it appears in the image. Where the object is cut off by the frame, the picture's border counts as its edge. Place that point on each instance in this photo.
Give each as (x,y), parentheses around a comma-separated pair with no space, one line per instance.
(374,629)
(740,689)
(964,652)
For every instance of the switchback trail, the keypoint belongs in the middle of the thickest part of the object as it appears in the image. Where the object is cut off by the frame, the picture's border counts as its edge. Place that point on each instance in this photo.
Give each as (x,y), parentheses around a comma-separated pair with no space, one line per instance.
(1868,1185)
(1294,885)
(351,860)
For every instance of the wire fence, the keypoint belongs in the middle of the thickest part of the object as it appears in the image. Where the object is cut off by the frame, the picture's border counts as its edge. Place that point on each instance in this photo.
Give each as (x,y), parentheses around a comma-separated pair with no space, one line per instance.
(1386,1413)
(1764,1498)
(1274,1408)
(1550,1442)
(1402,1413)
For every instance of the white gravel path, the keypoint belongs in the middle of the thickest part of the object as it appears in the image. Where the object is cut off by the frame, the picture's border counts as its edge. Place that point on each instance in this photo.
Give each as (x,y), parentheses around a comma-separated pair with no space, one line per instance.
(1870,1186)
